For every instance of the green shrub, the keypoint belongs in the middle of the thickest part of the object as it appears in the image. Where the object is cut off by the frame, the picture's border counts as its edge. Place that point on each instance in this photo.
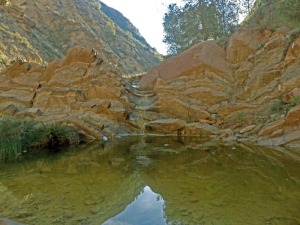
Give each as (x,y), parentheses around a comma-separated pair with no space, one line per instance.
(278,106)
(17,137)
(294,101)
(55,136)
(240,116)
(30,134)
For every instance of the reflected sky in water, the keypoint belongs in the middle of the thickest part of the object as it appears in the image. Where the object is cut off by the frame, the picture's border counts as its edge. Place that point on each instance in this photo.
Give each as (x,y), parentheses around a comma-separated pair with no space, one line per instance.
(146,209)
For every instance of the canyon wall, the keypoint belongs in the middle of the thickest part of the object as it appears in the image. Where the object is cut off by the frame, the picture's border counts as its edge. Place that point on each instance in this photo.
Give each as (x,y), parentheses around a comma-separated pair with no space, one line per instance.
(41,31)
(244,89)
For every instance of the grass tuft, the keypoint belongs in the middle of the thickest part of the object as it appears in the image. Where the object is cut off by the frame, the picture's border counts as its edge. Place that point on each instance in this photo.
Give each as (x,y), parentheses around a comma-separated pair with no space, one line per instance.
(10,140)
(17,137)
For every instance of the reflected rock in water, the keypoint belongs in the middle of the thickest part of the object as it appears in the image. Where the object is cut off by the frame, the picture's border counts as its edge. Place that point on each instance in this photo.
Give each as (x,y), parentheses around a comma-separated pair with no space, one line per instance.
(198,181)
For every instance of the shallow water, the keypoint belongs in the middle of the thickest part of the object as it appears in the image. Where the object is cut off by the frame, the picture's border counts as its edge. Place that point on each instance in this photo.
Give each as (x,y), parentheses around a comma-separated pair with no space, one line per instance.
(155,181)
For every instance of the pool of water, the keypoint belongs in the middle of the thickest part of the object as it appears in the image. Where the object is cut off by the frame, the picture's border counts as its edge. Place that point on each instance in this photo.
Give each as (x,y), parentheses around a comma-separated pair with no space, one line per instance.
(155,181)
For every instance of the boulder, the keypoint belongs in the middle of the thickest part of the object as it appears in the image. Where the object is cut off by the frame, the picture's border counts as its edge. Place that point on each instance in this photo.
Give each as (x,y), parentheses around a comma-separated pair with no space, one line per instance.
(200,129)
(165,126)
(204,56)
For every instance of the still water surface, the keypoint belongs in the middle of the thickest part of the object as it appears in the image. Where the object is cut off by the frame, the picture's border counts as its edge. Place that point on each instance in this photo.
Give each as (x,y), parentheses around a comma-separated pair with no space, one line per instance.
(155,181)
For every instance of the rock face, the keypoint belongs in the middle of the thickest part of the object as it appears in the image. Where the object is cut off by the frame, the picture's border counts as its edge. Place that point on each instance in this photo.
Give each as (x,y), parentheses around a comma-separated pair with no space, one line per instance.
(249,85)
(81,90)
(246,89)
(41,31)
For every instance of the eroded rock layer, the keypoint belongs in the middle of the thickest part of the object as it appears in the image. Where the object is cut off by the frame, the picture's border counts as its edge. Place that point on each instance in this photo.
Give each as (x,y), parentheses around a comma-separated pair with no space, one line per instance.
(246,89)
(81,90)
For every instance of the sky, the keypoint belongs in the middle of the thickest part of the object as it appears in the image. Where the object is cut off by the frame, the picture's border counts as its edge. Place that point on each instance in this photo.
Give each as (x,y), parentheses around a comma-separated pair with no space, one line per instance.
(146,16)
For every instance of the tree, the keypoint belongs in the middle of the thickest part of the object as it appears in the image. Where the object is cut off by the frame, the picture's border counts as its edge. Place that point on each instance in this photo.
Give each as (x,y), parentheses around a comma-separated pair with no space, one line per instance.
(198,20)
(246,6)
(172,28)
(290,9)
(228,15)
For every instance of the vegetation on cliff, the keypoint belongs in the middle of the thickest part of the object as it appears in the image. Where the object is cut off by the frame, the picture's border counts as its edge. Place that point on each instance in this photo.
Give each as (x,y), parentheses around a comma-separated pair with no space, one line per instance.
(123,23)
(42,31)
(229,89)
(18,137)
(199,20)
(273,14)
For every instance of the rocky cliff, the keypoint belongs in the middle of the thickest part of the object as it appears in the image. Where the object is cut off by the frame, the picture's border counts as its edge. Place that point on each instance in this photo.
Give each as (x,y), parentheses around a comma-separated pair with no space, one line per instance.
(41,31)
(246,89)
(81,90)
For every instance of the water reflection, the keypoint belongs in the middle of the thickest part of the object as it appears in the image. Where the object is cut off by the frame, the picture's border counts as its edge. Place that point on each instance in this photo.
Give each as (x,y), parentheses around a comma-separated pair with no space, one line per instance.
(197,181)
(146,209)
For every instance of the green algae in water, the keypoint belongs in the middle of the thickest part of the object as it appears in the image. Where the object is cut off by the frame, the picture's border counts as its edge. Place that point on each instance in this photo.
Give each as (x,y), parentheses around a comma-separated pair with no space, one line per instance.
(197,181)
